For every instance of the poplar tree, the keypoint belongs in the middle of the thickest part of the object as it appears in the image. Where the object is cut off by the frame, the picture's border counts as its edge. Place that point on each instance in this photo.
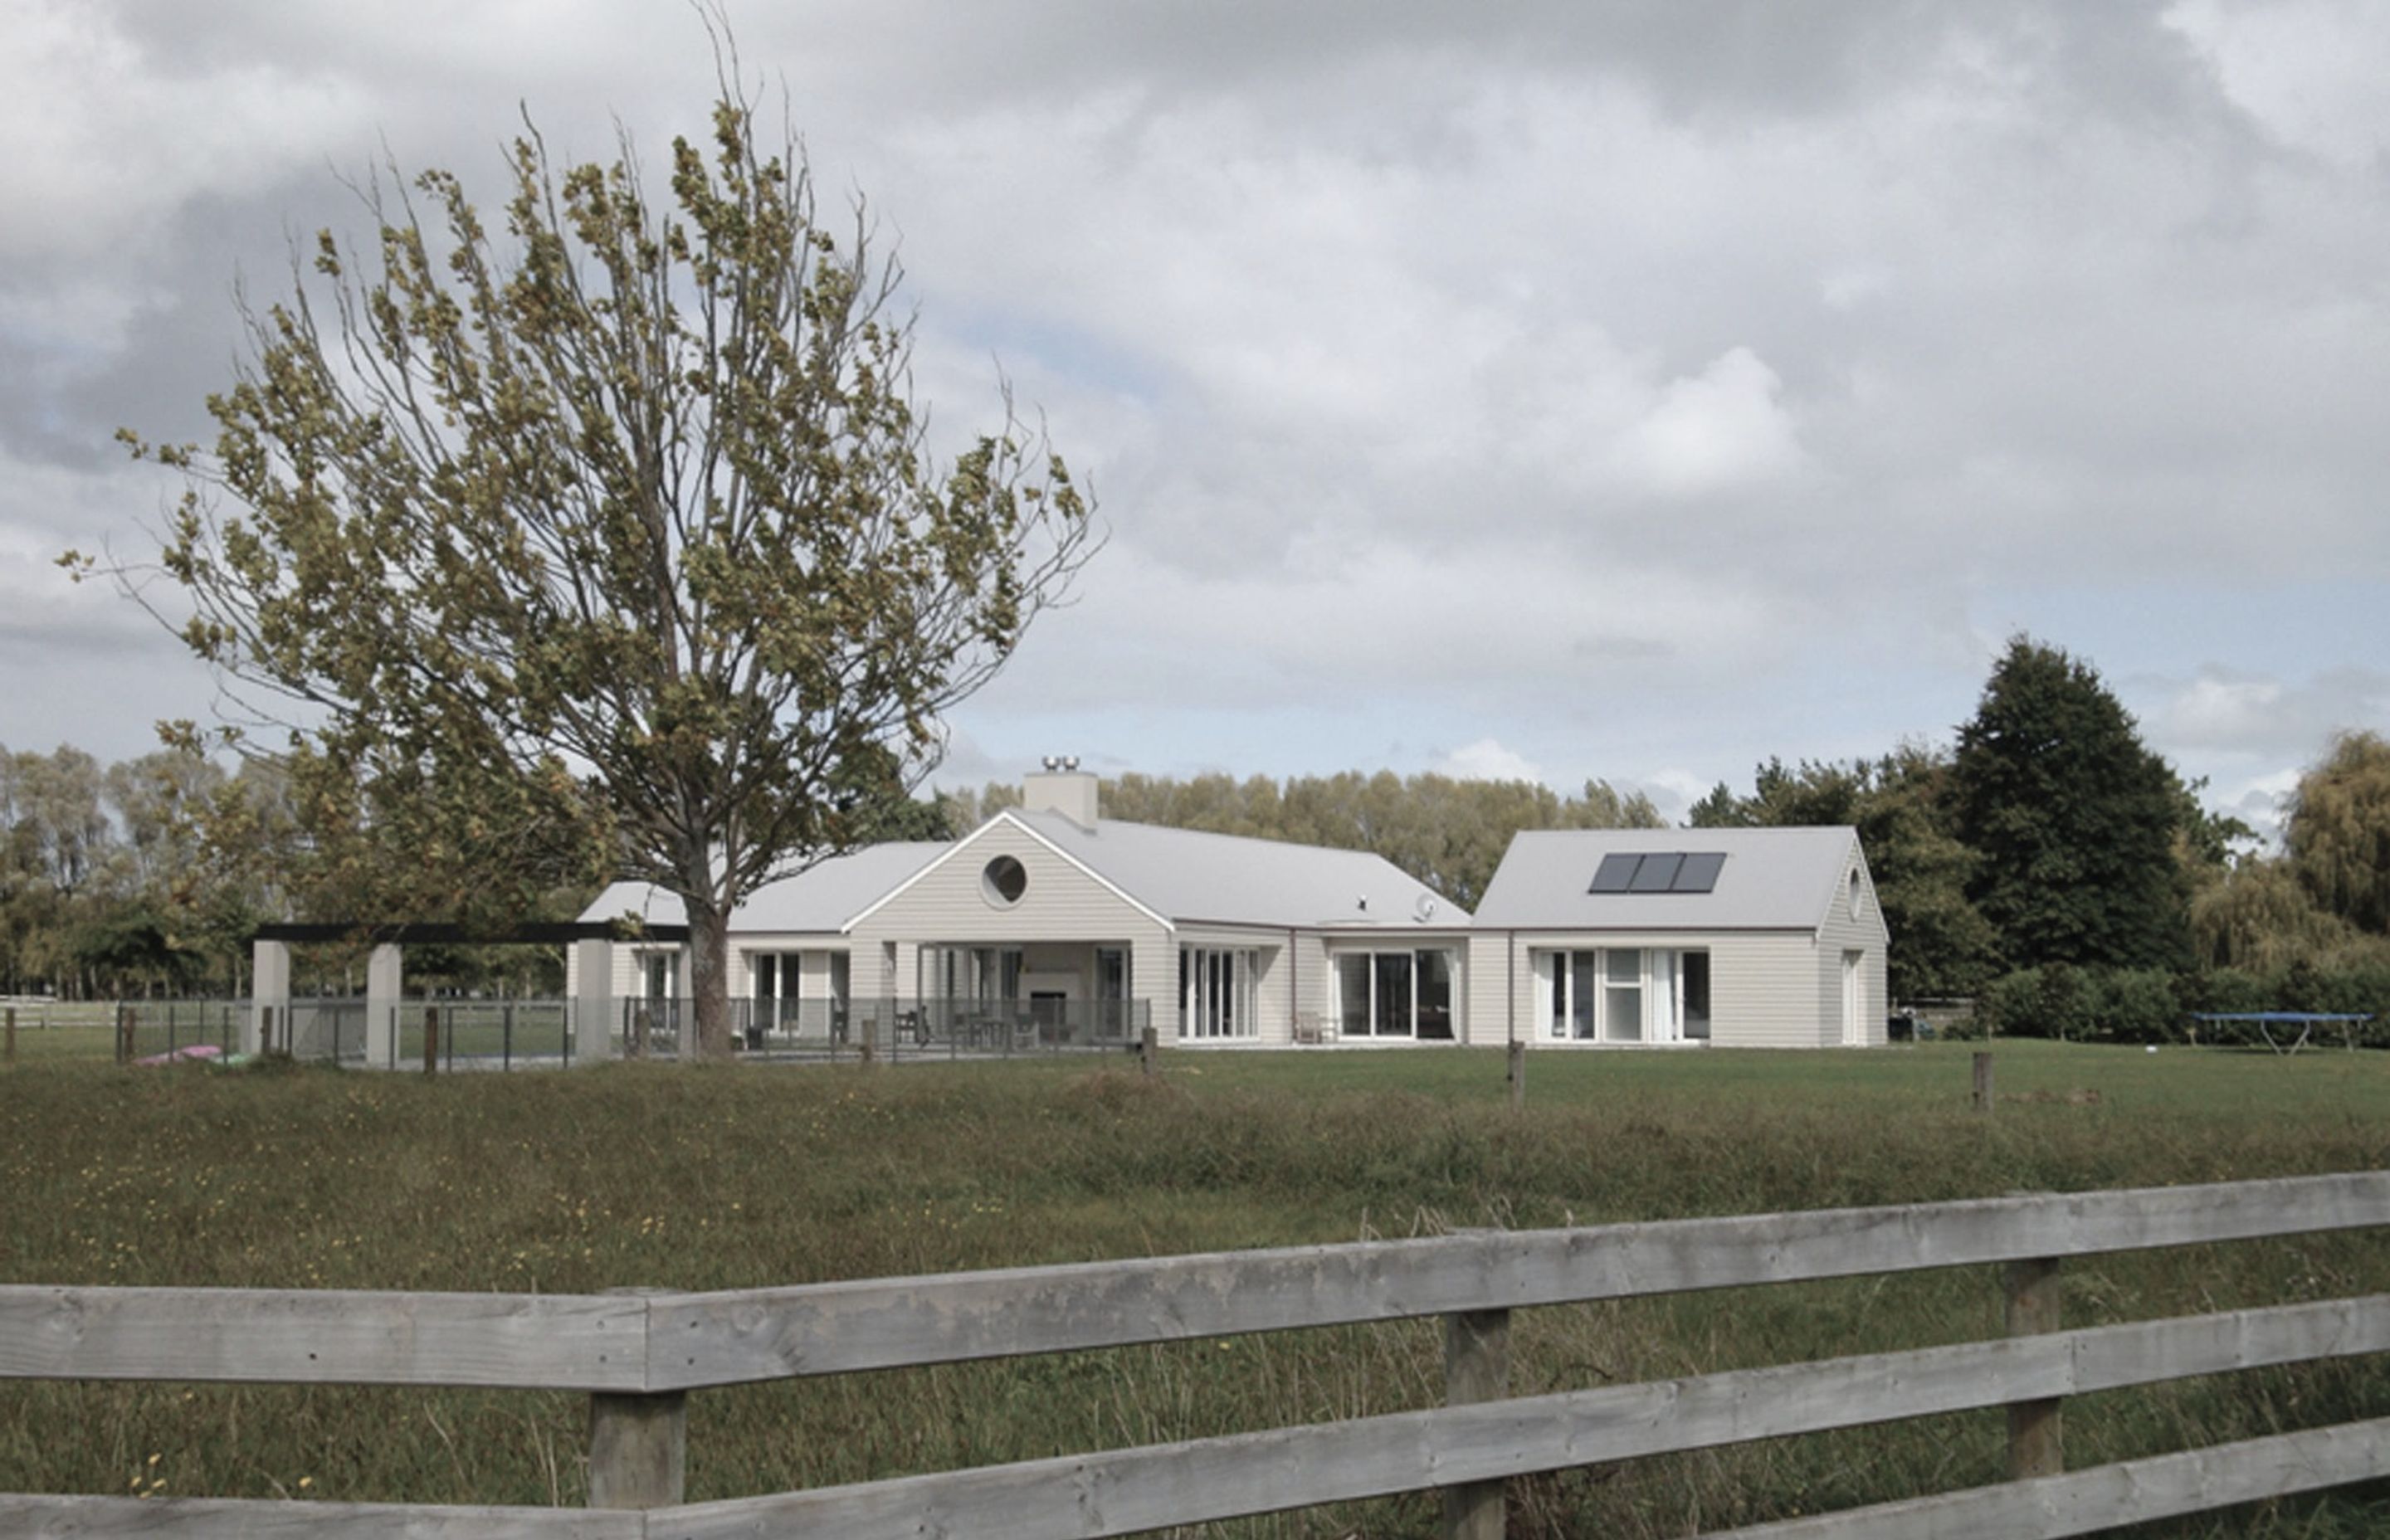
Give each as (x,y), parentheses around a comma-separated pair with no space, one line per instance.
(612,532)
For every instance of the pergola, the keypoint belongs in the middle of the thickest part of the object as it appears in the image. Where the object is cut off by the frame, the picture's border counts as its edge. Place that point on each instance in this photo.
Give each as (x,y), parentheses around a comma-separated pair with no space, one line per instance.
(385,969)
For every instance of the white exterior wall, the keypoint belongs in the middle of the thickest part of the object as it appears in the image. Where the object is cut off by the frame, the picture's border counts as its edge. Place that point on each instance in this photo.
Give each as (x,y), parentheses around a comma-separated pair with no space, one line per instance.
(1762,984)
(810,948)
(947,904)
(1763,992)
(1863,932)
(623,958)
(1489,1014)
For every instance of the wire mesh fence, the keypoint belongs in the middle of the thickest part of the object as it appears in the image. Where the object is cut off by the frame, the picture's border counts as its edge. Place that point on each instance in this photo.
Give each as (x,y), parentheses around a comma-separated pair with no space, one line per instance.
(504,1034)
(891,1029)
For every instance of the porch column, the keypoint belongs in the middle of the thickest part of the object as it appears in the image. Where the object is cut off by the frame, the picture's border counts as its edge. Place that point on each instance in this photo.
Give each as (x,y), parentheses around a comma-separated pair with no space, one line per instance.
(269,969)
(384,971)
(592,999)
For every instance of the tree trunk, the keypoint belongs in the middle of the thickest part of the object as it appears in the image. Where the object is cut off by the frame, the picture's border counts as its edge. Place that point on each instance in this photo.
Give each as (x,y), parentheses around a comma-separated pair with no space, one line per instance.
(709,977)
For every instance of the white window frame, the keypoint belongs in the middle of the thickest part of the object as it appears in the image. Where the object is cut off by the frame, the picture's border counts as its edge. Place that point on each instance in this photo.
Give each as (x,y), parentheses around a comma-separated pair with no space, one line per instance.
(1220,991)
(1409,1033)
(1658,984)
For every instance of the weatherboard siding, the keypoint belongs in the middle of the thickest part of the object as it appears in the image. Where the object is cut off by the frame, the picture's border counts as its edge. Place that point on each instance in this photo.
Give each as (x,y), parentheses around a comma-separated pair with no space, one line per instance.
(1491,987)
(1762,984)
(1764,992)
(947,905)
(1863,933)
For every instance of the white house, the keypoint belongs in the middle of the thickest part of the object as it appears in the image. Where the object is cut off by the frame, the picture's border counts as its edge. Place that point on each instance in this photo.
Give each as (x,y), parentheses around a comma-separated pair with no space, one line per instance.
(1047,919)
(1051,922)
(1748,938)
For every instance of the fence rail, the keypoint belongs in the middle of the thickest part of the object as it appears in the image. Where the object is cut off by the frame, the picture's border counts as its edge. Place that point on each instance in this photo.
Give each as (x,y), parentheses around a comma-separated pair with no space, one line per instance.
(639,1356)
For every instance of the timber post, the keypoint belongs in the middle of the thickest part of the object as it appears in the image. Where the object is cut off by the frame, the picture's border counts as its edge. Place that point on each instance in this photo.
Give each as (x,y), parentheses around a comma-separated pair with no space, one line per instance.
(638,1444)
(1518,1074)
(2030,1290)
(1147,1044)
(10,1052)
(1476,1367)
(430,1040)
(1984,1097)
(123,1032)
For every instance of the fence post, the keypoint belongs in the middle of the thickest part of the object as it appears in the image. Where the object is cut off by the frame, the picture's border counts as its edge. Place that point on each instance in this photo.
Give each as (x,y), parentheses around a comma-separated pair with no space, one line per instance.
(123,1032)
(1476,1367)
(2031,1296)
(430,1040)
(1518,1074)
(638,1444)
(1984,1099)
(1147,1042)
(11,1051)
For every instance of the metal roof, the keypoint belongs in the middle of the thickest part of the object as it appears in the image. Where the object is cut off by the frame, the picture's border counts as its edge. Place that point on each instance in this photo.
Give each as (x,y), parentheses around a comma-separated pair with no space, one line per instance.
(1773,880)
(1192,877)
(818,900)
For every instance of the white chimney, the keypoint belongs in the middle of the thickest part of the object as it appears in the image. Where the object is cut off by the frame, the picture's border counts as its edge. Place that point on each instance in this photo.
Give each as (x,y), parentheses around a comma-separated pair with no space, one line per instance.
(1062,786)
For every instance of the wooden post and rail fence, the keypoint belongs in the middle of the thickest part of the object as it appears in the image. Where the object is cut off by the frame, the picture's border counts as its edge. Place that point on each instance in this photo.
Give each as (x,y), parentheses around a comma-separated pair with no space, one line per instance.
(639,1356)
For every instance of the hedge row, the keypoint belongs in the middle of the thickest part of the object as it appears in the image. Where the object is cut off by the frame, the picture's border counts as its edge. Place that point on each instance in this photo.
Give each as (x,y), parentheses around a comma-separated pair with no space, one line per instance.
(2110,1005)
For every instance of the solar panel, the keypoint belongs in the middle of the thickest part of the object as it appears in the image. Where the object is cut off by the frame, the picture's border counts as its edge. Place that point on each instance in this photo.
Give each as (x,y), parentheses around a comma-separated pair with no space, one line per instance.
(1614,875)
(1700,873)
(1658,873)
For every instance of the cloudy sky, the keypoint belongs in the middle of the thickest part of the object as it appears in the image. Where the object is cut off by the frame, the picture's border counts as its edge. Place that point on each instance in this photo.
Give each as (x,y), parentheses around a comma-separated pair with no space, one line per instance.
(1628,390)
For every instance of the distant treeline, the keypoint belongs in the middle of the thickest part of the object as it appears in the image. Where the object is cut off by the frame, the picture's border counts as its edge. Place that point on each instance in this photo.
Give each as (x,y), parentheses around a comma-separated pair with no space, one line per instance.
(2047,836)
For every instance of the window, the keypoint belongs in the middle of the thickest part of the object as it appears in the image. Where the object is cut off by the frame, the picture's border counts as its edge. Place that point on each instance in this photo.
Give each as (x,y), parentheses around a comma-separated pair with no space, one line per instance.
(1215,990)
(1693,992)
(1111,991)
(1623,995)
(1004,880)
(1406,994)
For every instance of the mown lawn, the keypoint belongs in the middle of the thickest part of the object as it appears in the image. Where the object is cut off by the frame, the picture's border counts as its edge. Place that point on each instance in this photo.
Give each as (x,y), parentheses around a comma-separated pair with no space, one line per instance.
(709,1178)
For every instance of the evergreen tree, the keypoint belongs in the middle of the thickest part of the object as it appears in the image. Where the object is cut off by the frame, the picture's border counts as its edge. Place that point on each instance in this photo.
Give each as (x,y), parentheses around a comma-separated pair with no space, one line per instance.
(2074,824)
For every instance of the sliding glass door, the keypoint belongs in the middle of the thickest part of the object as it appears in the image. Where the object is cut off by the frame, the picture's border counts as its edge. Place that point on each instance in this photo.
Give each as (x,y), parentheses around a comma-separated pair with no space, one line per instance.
(1406,994)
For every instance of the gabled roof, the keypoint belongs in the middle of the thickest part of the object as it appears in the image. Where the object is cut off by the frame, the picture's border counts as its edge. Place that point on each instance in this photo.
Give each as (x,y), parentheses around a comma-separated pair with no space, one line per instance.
(1190,877)
(820,899)
(1773,880)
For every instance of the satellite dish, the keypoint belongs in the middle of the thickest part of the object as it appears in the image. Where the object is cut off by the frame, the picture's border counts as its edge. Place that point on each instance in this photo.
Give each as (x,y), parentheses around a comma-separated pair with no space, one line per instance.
(1424,910)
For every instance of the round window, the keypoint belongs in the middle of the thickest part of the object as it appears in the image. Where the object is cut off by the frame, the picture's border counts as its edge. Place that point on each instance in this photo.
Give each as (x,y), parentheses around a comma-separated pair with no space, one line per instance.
(1004,880)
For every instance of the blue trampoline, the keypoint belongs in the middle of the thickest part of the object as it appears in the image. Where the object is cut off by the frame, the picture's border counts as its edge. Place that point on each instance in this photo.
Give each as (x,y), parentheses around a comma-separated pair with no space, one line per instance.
(2306,1020)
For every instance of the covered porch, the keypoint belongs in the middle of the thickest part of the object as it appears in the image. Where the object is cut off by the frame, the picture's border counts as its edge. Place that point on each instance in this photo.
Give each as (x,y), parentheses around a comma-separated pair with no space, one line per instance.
(1014,995)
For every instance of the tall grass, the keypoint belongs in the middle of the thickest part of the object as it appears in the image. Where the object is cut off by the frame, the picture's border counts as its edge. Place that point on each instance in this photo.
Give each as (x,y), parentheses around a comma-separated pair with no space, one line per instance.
(730,1177)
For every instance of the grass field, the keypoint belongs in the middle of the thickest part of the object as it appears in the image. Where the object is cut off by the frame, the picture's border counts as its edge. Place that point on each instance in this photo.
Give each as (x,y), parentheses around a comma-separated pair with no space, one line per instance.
(708,1178)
